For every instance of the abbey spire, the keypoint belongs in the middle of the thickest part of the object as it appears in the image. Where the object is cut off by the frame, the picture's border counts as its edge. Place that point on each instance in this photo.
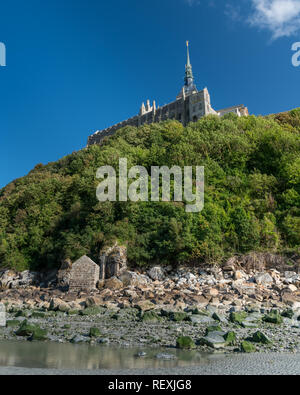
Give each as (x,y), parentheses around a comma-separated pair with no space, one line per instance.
(189,85)
(189,78)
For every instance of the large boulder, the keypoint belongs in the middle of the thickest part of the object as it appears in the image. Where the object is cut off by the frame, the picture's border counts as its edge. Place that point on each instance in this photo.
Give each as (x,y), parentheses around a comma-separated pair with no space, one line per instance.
(114,283)
(134,279)
(27,278)
(6,278)
(291,277)
(57,304)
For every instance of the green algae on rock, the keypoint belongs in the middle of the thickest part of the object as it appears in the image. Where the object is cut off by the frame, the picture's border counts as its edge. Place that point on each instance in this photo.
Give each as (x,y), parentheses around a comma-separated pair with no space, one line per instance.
(247,347)
(185,342)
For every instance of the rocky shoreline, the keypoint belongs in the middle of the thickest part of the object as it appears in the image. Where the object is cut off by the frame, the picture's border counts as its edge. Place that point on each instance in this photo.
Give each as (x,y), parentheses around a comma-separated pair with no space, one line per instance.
(245,305)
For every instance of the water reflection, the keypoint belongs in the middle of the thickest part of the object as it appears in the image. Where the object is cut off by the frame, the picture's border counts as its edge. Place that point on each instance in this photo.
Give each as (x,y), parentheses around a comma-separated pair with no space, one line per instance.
(70,356)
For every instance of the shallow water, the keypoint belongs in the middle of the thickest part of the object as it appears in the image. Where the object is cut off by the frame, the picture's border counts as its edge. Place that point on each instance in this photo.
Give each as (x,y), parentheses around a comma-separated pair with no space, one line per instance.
(87,357)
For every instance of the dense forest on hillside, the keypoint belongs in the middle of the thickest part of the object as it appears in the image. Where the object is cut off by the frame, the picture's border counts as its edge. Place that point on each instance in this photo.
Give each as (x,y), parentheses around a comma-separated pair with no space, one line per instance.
(252,196)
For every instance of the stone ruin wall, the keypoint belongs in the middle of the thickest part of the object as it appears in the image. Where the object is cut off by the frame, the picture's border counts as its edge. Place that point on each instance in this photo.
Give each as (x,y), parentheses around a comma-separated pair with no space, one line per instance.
(84,277)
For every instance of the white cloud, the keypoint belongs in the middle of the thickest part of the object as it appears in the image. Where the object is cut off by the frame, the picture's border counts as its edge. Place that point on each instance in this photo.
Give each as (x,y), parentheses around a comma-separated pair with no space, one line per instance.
(280,17)
(233,11)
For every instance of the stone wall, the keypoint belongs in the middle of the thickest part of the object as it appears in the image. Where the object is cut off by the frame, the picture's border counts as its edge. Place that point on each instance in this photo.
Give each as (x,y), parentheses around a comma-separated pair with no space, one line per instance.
(64,274)
(186,109)
(84,275)
(113,261)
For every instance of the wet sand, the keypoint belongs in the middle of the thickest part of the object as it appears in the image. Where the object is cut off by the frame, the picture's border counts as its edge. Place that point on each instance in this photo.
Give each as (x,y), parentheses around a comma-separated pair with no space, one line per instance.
(240,364)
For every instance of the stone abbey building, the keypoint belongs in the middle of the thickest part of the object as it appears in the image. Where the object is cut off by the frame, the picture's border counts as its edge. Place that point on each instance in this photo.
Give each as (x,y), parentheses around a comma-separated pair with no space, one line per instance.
(189,106)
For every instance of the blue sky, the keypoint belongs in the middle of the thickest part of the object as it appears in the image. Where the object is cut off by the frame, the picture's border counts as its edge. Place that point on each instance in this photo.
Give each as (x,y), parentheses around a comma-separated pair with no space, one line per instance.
(76,66)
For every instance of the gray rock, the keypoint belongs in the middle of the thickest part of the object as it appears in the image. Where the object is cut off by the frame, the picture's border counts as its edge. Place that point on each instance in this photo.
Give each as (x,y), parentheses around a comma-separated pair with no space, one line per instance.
(134,279)
(220,317)
(288,321)
(252,321)
(249,324)
(291,277)
(263,279)
(201,319)
(141,354)
(28,278)
(103,340)
(211,309)
(156,273)
(79,339)
(6,278)
(214,340)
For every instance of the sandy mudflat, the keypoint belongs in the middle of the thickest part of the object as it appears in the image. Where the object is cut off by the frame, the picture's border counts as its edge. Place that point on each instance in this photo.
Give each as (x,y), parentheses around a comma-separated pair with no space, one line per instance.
(254,364)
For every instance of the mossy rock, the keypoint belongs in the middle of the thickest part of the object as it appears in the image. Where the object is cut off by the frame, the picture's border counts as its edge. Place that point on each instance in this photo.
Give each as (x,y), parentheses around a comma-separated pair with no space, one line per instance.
(289,313)
(230,338)
(247,347)
(12,323)
(274,318)
(73,312)
(178,316)
(260,337)
(67,326)
(39,335)
(238,317)
(95,332)
(38,314)
(213,328)
(91,311)
(185,343)
(34,332)
(26,329)
(196,311)
(22,313)
(51,313)
(151,316)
